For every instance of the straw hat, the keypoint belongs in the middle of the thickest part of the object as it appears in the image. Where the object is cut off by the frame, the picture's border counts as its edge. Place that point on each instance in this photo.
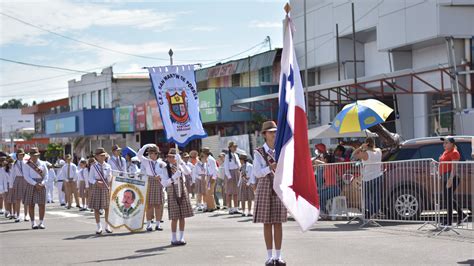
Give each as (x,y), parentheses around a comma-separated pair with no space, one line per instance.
(100,151)
(116,148)
(231,144)
(34,152)
(20,151)
(172,152)
(153,148)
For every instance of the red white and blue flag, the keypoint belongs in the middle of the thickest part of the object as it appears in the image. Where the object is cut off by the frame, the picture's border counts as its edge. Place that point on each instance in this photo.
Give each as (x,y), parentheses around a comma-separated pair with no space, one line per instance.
(294,180)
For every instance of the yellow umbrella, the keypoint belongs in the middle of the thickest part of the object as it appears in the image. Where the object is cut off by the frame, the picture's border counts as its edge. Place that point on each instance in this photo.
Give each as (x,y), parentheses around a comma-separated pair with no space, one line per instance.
(363,114)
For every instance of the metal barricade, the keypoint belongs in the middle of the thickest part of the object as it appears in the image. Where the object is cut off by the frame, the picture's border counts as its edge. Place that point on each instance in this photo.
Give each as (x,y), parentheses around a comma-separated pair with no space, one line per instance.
(339,189)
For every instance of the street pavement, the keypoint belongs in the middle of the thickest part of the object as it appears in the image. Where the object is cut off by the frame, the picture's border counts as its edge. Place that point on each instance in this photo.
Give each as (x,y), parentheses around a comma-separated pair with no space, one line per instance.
(220,239)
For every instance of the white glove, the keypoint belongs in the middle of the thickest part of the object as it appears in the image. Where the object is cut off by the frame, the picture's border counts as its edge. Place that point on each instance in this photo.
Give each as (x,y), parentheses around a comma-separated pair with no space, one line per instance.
(176,175)
(178,157)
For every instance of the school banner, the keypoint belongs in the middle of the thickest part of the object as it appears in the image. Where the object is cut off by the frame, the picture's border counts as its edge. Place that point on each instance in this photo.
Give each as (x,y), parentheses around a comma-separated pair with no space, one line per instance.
(127,203)
(178,101)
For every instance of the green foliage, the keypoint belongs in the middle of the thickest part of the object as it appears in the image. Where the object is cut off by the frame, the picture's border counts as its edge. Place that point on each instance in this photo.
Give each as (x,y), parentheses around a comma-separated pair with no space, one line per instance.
(13,104)
(54,151)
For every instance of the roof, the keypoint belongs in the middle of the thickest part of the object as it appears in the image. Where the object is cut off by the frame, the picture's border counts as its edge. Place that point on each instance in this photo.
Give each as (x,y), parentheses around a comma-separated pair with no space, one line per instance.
(435,140)
(45,107)
(258,61)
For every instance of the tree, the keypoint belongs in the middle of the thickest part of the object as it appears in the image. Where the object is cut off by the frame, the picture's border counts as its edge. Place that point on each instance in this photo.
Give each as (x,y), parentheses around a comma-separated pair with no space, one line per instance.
(13,104)
(53,152)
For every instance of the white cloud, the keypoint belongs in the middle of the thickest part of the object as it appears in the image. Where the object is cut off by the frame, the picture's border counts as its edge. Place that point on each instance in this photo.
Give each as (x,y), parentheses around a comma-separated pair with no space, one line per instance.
(61,16)
(204,28)
(265,24)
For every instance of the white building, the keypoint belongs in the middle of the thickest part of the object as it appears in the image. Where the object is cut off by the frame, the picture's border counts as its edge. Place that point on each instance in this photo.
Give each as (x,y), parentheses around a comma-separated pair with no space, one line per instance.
(403,57)
(12,123)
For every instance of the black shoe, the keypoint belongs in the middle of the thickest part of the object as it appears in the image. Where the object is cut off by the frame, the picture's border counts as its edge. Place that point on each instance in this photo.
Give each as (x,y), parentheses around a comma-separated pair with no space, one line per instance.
(52,201)
(78,206)
(82,209)
(243,214)
(98,232)
(158,228)
(34,227)
(149,229)
(68,207)
(175,243)
(108,231)
(161,222)
(41,226)
(26,220)
(63,204)
(182,243)
(270,262)
(280,262)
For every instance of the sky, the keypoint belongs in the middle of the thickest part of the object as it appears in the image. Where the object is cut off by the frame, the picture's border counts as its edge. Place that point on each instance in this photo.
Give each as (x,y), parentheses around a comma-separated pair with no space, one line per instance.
(91,35)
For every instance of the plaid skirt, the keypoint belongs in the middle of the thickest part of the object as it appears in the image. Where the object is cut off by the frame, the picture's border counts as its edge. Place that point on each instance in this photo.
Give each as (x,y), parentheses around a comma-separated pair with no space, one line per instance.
(231,184)
(19,188)
(200,186)
(246,193)
(99,197)
(82,189)
(155,192)
(268,207)
(35,196)
(178,210)
(9,196)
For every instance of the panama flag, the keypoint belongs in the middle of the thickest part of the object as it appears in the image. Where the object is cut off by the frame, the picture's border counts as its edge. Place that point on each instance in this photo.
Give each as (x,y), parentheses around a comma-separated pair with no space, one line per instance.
(294,180)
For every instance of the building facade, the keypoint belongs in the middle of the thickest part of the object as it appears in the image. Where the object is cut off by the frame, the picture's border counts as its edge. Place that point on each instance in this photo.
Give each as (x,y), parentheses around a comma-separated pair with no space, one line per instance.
(12,124)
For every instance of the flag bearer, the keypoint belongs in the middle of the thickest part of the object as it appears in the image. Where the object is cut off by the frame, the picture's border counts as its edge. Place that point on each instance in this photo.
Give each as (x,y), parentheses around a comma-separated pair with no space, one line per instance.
(179,204)
(269,209)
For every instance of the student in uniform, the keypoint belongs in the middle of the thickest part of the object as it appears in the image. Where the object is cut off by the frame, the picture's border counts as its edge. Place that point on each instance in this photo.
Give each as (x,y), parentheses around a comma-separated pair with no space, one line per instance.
(83,183)
(211,183)
(90,162)
(3,183)
(36,174)
(117,162)
(179,204)
(100,176)
(50,184)
(245,187)
(222,179)
(199,172)
(151,167)
(132,167)
(269,209)
(68,173)
(232,173)
(10,175)
(60,184)
(189,178)
(19,186)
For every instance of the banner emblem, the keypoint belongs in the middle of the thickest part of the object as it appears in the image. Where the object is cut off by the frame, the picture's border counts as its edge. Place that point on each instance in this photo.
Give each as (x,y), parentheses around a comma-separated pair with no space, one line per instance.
(178,106)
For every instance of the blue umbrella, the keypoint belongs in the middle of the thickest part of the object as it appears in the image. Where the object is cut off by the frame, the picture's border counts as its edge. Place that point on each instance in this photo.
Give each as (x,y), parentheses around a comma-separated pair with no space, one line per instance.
(129,151)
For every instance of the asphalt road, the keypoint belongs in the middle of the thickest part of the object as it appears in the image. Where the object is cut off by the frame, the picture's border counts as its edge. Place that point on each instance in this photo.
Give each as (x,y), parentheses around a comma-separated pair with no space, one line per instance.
(221,239)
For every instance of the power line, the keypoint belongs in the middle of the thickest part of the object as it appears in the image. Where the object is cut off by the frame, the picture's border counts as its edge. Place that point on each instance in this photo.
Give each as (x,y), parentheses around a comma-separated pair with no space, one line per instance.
(95,45)
(42,66)
(227,58)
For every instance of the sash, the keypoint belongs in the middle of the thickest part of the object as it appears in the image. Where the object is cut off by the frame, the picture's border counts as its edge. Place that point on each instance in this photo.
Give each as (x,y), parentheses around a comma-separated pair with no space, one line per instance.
(19,167)
(116,162)
(101,175)
(153,168)
(243,172)
(35,168)
(268,160)
(177,194)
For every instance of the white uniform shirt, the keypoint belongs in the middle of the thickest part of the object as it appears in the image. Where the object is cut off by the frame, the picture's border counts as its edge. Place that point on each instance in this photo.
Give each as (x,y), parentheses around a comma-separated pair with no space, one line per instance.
(18,168)
(147,165)
(83,175)
(233,164)
(132,168)
(183,169)
(94,175)
(64,175)
(200,169)
(3,180)
(32,177)
(10,177)
(260,167)
(213,170)
(118,164)
(248,173)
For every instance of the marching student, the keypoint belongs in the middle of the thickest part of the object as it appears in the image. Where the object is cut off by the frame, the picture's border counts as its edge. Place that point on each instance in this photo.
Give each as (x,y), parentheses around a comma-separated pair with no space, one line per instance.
(83,183)
(60,184)
(100,177)
(36,174)
(222,179)
(3,183)
(232,173)
(50,183)
(90,162)
(151,167)
(9,200)
(116,161)
(193,159)
(214,172)
(132,167)
(69,175)
(179,204)
(269,209)
(189,178)
(19,186)
(199,174)
(246,193)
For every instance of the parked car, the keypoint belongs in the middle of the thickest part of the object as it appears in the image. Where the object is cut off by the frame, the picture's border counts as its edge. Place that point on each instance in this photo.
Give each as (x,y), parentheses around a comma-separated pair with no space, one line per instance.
(412,187)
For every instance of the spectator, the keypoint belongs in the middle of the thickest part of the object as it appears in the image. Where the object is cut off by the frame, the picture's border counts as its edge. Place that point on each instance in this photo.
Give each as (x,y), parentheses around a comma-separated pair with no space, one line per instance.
(327,184)
(371,157)
(450,179)
(340,154)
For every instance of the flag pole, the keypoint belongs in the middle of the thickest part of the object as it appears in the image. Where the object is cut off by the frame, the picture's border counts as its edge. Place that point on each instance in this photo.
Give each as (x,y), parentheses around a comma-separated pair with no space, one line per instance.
(170,53)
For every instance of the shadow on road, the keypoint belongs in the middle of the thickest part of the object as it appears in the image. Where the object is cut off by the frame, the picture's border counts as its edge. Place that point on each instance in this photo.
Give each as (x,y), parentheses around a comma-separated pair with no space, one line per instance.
(89,236)
(15,230)
(466,262)
(149,250)
(339,228)
(246,220)
(144,253)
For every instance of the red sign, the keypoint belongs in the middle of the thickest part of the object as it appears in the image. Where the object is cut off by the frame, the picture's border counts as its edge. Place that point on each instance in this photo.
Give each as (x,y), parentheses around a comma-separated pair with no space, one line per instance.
(41,144)
(140,117)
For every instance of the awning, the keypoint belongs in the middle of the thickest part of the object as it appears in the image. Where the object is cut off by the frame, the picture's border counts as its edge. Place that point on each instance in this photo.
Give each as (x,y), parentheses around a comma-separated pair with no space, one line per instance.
(327,132)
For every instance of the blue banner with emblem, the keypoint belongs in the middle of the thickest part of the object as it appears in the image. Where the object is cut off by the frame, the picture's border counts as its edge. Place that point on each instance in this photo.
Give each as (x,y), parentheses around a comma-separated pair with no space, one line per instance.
(177,97)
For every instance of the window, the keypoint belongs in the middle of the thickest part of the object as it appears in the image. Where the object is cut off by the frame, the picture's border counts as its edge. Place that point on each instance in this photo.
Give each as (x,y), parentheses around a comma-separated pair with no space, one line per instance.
(265,74)
(74,103)
(107,103)
(432,151)
(99,99)
(405,154)
(236,80)
(85,102)
(94,100)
